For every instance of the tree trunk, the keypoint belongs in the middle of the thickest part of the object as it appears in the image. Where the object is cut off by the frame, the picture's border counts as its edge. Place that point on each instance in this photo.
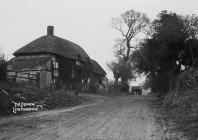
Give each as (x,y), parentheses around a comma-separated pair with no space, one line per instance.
(116,81)
(172,80)
(123,80)
(128,50)
(192,56)
(116,77)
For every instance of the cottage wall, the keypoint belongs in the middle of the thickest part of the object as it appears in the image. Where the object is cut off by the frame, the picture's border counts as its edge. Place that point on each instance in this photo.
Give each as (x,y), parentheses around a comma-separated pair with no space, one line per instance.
(96,83)
(57,70)
(45,79)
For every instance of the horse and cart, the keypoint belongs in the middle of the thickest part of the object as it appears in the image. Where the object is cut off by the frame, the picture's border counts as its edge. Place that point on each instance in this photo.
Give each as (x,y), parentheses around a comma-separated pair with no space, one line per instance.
(136,90)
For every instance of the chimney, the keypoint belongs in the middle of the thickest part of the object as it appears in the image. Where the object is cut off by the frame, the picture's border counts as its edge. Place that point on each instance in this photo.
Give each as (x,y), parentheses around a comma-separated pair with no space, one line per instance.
(50,30)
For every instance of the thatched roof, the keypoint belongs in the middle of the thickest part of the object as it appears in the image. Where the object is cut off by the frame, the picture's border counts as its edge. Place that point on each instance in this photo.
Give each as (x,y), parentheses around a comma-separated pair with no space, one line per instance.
(27,63)
(96,68)
(54,45)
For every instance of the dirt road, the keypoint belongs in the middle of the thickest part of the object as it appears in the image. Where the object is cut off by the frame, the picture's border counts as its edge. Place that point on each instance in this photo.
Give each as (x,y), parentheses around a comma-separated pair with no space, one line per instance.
(113,118)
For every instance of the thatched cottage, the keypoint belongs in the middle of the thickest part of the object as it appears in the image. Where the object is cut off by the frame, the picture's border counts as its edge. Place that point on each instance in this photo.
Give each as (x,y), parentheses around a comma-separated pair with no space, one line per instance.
(51,61)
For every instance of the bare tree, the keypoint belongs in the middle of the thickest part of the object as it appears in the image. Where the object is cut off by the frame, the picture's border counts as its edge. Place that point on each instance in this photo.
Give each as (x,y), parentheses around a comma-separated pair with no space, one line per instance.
(129,25)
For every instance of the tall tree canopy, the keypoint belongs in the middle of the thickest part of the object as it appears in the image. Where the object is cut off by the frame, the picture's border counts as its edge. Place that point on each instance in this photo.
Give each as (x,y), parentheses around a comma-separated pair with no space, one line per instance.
(3,68)
(129,24)
(171,43)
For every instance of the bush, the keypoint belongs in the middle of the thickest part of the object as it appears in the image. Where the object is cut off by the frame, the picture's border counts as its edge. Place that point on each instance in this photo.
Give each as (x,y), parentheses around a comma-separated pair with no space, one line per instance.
(187,81)
(186,94)
(3,69)
(160,84)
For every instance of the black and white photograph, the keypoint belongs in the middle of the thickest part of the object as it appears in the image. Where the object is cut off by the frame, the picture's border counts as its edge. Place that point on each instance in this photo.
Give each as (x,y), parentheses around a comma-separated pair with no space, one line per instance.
(98,70)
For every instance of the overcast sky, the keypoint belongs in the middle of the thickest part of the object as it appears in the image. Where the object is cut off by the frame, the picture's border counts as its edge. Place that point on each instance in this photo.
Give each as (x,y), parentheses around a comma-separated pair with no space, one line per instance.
(84,22)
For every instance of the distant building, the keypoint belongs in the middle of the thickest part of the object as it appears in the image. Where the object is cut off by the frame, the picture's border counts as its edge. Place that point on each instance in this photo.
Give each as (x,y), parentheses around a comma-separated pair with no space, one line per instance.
(51,61)
(98,77)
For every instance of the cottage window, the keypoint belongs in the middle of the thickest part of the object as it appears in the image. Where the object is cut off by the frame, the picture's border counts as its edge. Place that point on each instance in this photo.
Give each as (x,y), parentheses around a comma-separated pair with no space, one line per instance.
(55,64)
(55,73)
(78,63)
